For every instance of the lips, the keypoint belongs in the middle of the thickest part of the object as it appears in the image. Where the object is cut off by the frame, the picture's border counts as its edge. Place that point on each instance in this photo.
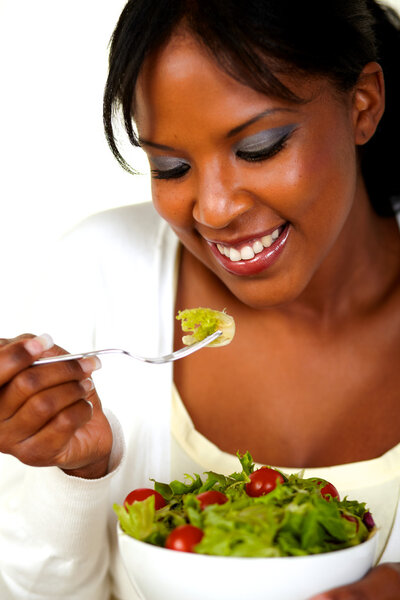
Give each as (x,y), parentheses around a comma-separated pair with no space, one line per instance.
(251,256)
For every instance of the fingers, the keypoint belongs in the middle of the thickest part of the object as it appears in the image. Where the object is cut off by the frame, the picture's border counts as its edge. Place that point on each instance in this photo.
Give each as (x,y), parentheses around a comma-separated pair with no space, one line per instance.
(43,406)
(23,336)
(32,381)
(47,445)
(18,355)
(39,409)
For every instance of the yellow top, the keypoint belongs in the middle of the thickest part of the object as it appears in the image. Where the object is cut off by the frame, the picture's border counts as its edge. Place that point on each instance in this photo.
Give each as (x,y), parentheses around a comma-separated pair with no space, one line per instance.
(376,481)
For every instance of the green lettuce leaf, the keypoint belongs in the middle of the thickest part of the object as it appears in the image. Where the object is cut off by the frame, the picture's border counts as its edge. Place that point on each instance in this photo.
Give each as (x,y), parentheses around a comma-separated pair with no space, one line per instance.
(138,519)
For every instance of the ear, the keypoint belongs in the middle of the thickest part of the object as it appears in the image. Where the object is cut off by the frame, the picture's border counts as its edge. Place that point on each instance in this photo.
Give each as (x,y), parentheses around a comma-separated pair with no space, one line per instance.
(368,102)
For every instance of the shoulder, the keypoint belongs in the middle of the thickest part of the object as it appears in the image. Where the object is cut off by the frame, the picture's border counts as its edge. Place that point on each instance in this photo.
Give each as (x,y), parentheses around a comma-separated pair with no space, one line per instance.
(135,230)
(125,224)
(105,246)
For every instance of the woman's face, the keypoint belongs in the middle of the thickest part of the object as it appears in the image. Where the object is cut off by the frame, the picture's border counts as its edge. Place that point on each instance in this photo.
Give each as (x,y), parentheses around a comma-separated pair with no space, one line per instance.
(256,188)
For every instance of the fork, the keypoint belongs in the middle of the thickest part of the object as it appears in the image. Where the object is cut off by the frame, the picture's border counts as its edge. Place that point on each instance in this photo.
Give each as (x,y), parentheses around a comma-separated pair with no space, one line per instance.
(155,360)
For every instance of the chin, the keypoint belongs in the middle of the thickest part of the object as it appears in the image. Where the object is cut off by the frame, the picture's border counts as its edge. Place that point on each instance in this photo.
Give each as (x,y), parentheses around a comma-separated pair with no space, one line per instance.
(266,298)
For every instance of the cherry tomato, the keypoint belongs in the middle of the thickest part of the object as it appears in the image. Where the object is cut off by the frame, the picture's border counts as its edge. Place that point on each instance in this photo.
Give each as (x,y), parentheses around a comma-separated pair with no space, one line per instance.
(211,497)
(184,538)
(142,494)
(263,481)
(326,489)
(353,520)
(329,490)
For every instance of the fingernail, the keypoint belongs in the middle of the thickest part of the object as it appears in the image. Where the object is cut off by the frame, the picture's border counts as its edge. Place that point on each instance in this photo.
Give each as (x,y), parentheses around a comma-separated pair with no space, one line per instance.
(88,365)
(90,404)
(87,385)
(35,346)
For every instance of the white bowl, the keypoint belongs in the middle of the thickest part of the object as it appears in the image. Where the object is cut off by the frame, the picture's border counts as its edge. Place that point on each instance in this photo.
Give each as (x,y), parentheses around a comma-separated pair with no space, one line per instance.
(162,574)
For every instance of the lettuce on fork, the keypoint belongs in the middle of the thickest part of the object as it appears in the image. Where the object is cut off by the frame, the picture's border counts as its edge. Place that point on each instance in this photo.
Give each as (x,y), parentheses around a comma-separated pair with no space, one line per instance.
(202,322)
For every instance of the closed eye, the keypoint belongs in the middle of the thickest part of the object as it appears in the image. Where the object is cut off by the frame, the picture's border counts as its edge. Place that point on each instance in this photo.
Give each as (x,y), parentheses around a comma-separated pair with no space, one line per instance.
(167,167)
(266,152)
(170,173)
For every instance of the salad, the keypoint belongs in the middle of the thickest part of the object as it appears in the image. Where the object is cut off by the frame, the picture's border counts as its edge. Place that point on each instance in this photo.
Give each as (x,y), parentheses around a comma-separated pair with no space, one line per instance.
(251,513)
(202,322)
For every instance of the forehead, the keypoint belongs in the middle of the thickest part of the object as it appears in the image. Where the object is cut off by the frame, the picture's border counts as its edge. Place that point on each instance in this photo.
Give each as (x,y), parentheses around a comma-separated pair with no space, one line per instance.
(180,73)
(182,81)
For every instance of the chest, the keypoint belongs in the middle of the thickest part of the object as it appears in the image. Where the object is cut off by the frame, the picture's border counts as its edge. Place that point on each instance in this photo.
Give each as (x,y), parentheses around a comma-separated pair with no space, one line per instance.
(294,400)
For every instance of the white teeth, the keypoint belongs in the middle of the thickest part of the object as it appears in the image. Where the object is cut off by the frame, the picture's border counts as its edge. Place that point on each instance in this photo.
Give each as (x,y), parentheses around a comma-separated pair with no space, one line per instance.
(257,247)
(266,241)
(246,253)
(234,254)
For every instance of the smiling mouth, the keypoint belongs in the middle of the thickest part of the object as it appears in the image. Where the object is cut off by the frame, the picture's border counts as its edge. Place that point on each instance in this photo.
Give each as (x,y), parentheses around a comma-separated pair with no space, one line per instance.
(251,257)
(248,251)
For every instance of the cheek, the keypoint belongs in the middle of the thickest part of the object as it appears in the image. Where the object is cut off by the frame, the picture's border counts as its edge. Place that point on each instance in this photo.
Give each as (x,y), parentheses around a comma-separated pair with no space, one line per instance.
(172,204)
(332,173)
(315,185)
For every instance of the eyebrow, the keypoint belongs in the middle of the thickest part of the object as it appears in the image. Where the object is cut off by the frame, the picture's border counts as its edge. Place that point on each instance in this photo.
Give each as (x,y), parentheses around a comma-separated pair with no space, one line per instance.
(144,142)
(231,133)
(256,118)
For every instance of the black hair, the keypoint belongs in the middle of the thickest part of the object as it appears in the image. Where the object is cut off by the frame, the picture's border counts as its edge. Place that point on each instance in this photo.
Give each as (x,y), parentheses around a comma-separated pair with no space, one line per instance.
(253,40)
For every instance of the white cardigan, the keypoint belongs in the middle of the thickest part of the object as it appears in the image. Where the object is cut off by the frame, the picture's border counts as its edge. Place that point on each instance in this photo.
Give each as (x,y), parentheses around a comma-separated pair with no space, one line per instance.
(111,284)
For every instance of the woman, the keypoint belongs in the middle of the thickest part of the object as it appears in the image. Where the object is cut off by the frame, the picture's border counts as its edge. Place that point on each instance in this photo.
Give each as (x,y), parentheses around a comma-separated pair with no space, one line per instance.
(275,180)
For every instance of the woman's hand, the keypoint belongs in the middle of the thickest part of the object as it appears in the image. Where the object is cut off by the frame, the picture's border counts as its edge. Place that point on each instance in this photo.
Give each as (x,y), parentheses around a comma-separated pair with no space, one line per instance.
(381,583)
(50,415)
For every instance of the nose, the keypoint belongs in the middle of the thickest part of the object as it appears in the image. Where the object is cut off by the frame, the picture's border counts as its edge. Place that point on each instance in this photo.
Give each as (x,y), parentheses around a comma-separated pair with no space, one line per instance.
(219,197)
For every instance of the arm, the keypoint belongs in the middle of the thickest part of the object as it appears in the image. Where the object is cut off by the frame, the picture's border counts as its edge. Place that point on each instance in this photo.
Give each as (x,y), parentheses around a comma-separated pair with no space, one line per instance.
(53,525)
(86,302)
(381,583)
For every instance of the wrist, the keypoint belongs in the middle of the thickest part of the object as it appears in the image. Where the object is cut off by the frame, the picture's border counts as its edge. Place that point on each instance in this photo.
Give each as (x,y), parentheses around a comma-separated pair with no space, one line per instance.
(95,470)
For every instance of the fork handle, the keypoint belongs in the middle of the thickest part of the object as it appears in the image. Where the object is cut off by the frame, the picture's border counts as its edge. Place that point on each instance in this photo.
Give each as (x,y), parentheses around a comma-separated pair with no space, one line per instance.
(155,360)
(62,357)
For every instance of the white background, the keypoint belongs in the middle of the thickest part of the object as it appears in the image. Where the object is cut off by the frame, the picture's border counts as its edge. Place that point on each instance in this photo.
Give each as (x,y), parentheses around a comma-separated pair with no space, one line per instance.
(55,166)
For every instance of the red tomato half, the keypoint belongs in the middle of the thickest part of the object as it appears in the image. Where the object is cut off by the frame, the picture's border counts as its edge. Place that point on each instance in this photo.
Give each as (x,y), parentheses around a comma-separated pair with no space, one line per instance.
(184,538)
(142,494)
(329,490)
(211,497)
(263,481)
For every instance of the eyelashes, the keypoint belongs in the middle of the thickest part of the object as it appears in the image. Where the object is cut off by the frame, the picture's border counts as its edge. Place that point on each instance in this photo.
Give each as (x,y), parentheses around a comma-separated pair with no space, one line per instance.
(257,150)
(168,167)
(174,173)
(264,153)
